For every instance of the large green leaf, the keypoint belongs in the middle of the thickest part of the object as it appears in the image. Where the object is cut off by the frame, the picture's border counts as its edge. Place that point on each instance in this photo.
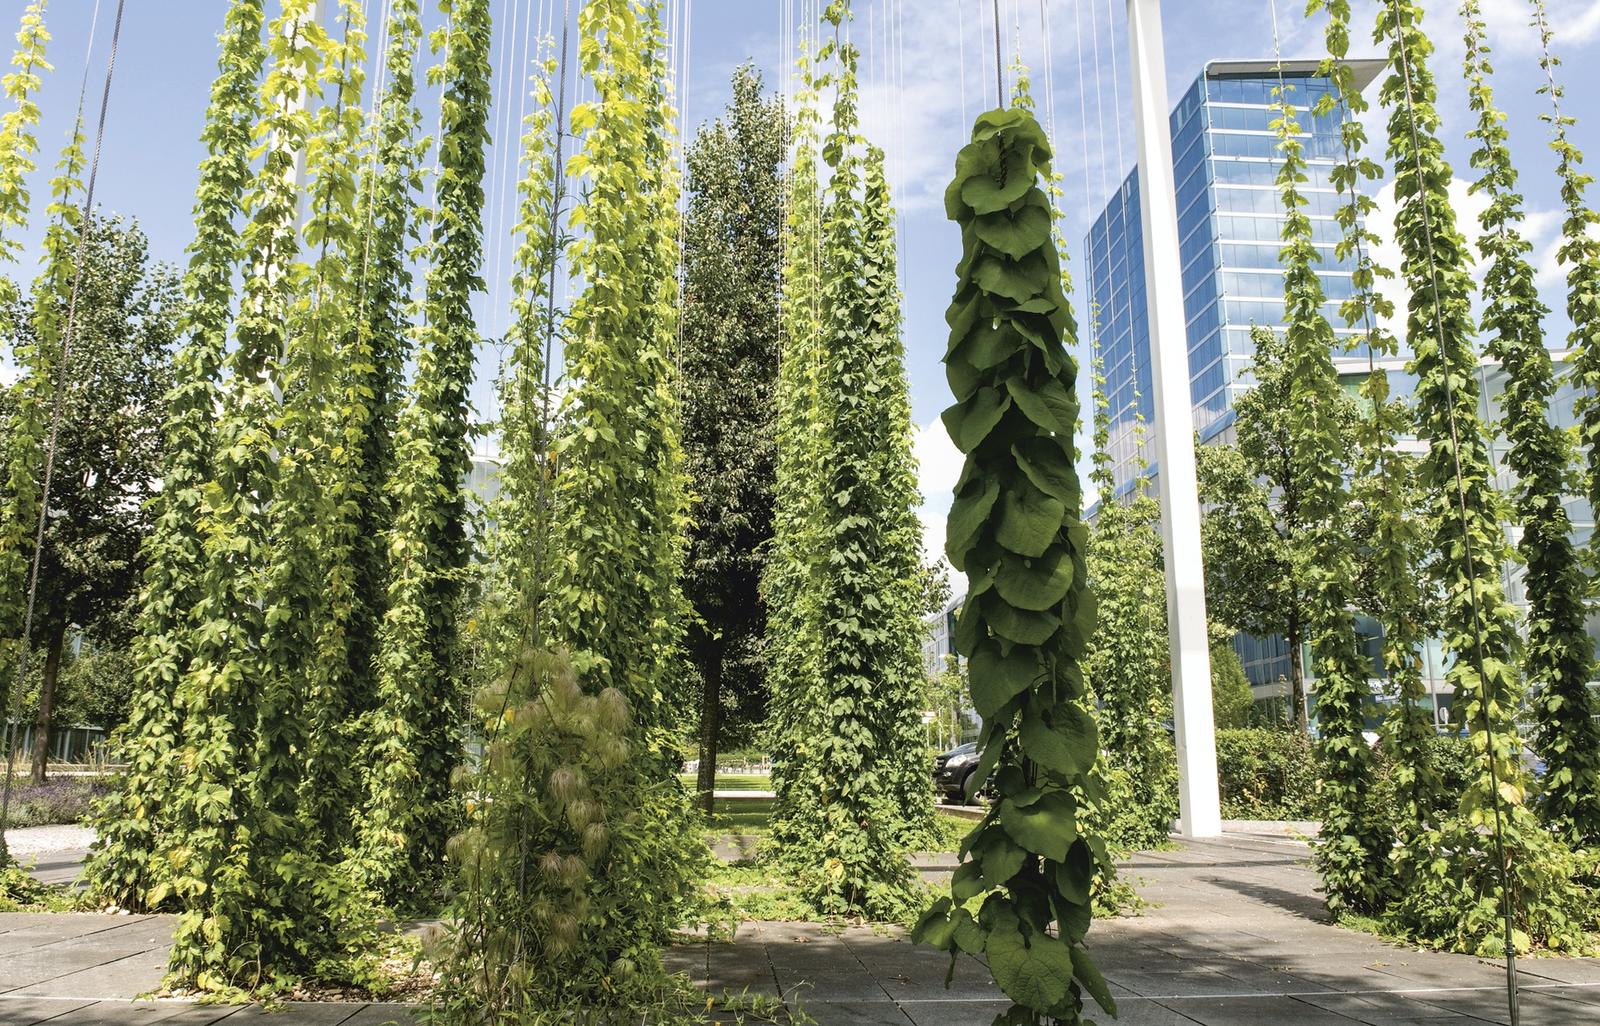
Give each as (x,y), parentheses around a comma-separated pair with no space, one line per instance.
(1088,974)
(1029,520)
(1037,583)
(968,513)
(970,421)
(1023,626)
(1063,738)
(989,345)
(1034,969)
(1048,405)
(1047,465)
(996,679)
(1015,234)
(1047,827)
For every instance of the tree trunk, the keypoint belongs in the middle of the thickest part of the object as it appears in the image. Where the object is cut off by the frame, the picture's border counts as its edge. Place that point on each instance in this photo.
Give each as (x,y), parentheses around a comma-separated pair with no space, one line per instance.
(710,723)
(1297,676)
(47,700)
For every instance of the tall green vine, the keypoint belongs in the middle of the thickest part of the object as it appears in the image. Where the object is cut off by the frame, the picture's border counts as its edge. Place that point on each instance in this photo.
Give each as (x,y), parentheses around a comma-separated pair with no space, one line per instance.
(1384,487)
(1456,896)
(417,725)
(1566,708)
(127,826)
(1350,849)
(1014,529)
(18,488)
(788,583)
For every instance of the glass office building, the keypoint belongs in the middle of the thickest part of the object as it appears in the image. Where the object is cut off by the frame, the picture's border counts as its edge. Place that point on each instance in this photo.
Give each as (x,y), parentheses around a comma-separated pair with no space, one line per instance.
(1225,159)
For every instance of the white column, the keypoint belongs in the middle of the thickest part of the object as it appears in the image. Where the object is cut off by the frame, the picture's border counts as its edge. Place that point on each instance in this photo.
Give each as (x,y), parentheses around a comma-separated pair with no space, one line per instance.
(1199,807)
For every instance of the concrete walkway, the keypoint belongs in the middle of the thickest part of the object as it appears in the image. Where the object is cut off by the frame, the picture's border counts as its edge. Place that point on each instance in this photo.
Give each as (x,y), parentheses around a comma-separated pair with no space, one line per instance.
(1236,937)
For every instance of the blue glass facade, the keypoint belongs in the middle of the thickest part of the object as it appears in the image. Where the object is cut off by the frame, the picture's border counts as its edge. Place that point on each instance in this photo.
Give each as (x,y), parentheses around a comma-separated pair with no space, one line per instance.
(1225,162)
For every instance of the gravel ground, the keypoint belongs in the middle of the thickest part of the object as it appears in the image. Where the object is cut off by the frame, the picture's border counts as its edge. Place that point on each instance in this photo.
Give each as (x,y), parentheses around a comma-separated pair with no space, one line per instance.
(38,840)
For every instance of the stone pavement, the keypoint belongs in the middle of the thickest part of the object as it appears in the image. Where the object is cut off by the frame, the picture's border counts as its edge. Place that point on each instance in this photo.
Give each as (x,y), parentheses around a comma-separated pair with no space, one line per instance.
(1235,937)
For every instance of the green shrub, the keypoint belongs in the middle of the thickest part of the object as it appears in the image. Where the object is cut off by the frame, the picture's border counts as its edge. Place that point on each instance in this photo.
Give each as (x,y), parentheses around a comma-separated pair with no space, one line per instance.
(1265,774)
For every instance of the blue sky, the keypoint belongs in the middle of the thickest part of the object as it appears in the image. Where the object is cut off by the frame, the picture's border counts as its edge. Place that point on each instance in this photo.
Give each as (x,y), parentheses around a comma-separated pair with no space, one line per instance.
(928,70)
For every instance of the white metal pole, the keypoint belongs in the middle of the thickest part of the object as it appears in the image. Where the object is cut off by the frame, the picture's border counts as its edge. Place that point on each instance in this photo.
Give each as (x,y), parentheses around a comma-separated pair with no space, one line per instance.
(1199,806)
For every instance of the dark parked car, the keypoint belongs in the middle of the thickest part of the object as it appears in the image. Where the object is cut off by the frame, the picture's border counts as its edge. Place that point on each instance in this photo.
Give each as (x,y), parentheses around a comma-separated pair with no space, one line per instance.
(953,774)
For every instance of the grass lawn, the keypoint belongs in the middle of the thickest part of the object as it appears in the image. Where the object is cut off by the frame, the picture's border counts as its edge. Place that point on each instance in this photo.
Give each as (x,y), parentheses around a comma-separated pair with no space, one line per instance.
(734,781)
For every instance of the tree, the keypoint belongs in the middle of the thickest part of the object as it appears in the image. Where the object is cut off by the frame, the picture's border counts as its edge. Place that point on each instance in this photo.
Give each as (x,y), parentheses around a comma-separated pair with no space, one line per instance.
(1560,658)
(733,268)
(123,868)
(1467,876)
(1015,530)
(108,453)
(416,735)
(1258,531)
(1231,697)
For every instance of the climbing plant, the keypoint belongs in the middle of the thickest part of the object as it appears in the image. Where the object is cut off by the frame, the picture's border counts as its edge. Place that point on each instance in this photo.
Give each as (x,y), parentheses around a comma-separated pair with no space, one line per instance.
(1384,486)
(1489,862)
(863,772)
(1126,662)
(416,727)
(18,487)
(1558,658)
(793,632)
(601,818)
(1350,849)
(121,870)
(1014,529)
(1561,653)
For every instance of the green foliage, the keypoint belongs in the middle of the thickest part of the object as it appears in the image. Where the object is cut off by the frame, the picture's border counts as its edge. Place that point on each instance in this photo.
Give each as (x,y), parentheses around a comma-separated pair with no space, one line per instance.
(415,738)
(122,869)
(1350,849)
(1453,871)
(1015,530)
(1127,663)
(733,275)
(18,142)
(789,579)
(1232,701)
(854,794)
(1390,506)
(1266,774)
(108,449)
(1266,521)
(1559,661)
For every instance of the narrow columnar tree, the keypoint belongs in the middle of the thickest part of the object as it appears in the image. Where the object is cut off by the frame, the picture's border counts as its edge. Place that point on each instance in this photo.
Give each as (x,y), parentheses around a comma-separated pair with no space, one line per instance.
(788,582)
(417,725)
(1567,734)
(121,870)
(1492,838)
(1015,530)
(1558,661)
(1350,849)
(1384,486)
(733,270)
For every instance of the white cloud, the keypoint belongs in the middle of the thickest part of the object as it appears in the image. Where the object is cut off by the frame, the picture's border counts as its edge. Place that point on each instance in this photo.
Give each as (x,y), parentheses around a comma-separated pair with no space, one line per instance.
(938,468)
(1511,31)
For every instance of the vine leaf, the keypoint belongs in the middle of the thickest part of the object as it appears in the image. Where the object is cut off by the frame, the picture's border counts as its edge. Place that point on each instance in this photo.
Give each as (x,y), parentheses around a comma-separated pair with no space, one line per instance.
(1046,827)
(1034,969)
